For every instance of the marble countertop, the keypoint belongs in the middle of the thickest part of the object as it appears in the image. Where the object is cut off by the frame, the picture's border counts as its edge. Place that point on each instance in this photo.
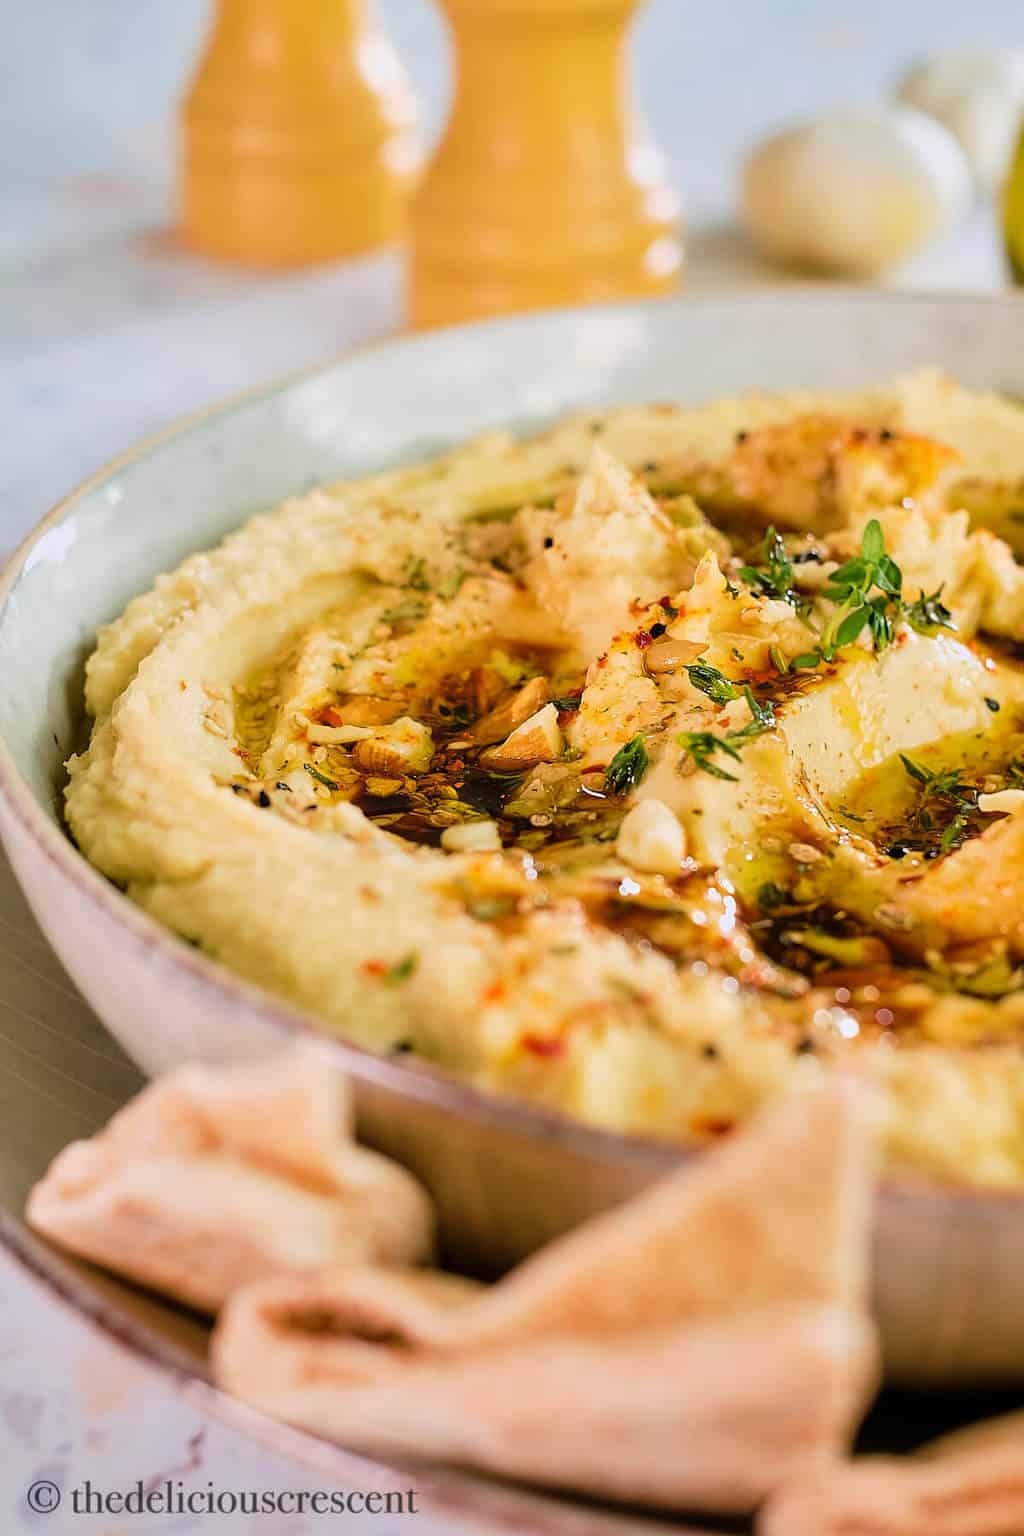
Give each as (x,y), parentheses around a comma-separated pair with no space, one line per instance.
(108,331)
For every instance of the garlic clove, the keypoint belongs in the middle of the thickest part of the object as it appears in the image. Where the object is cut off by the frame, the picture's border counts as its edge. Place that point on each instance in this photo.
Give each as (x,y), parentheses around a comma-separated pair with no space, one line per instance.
(855,192)
(978,94)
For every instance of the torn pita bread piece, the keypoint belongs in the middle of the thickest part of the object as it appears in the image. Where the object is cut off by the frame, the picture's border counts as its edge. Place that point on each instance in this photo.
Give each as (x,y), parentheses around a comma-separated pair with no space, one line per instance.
(967,1484)
(695,1348)
(214,1177)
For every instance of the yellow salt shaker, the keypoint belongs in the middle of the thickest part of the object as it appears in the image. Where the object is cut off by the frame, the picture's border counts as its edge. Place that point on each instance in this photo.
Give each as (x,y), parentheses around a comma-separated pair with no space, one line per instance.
(298,135)
(547,188)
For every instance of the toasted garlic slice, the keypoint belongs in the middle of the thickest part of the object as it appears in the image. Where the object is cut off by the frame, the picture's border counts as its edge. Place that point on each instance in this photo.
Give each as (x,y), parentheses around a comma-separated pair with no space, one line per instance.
(651,839)
(537,740)
(405,747)
(471,837)
(498,722)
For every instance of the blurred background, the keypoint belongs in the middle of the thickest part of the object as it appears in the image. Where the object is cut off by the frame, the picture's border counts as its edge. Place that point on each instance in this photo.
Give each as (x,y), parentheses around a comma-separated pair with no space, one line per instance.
(108,328)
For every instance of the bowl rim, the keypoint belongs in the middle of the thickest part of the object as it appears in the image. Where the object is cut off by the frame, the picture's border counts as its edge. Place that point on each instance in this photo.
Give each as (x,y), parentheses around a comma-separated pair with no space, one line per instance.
(420,1081)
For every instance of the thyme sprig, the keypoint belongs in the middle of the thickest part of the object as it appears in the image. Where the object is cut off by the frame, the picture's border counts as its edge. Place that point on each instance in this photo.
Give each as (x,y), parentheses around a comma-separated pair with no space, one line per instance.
(701,746)
(868,593)
(943,798)
(775,577)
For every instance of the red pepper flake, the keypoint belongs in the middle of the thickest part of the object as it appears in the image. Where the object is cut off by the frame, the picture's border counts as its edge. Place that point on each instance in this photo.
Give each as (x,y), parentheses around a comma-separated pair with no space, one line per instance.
(374,967)
(329,716)
(493,992)
(543,1045)
(641,639)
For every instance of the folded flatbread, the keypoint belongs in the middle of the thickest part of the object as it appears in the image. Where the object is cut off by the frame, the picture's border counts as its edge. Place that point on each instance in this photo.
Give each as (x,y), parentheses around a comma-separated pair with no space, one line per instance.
(968,1484)
(696,1347)
(214,1177)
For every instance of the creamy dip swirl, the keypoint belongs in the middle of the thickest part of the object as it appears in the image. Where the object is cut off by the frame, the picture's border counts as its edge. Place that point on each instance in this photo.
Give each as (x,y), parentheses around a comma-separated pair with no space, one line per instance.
(645,768)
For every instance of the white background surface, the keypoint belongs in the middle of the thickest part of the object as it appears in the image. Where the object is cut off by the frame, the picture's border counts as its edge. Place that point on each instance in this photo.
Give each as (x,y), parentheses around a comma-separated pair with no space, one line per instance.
(107,332)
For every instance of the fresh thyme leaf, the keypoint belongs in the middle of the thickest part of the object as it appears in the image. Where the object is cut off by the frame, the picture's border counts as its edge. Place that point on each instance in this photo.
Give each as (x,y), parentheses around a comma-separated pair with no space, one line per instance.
(955,831)
(627,767)
(916,771)
(701,745)
(873,542)
(927,613)
(879,623)
(775,577)
(402,969)
(777,659)
(712,682)
(321,778)
(770,897)
(849,630)
(942,796)
(762,717)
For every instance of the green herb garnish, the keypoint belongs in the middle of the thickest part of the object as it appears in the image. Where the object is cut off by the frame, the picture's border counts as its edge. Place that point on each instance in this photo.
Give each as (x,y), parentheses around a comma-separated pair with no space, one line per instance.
(943,799)
(926,614)
(321,778)
(775,577)
(712,682)
(402,969)
(627,767)
(701,745)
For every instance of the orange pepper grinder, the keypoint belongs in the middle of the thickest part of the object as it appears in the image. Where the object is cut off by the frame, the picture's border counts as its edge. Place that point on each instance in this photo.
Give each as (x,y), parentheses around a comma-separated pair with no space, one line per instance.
(547,188)
(298,135)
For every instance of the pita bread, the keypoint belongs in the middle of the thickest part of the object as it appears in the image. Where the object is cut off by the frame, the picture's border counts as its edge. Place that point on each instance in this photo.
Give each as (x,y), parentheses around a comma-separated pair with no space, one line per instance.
(968,1484)
(215,1177)
(694,1348)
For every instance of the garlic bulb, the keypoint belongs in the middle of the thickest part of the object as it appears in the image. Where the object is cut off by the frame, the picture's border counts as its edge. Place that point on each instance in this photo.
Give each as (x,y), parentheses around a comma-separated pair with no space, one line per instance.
(978,94)
(854,192)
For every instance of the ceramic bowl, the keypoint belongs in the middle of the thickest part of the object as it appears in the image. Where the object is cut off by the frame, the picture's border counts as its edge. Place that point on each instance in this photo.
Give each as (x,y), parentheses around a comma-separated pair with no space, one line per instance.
(506,1176)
